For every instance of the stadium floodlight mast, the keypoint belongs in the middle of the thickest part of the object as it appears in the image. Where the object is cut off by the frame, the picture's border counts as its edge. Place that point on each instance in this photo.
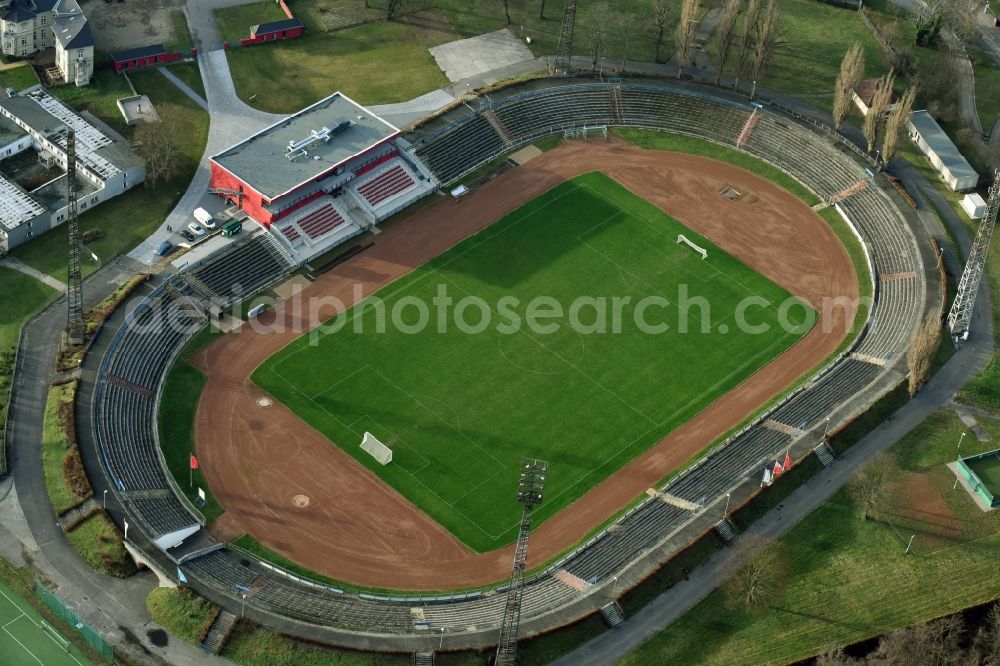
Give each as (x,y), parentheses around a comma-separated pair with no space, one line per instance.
(530,490)
(960,315)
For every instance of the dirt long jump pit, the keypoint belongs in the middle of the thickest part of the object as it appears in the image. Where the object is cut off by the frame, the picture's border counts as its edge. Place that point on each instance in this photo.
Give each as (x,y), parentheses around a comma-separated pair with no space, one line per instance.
(293,490)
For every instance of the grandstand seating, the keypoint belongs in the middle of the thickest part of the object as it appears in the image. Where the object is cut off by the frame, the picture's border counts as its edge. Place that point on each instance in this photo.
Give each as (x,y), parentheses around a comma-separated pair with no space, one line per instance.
(321,222)
(239,269)
(384,185)
(126,422)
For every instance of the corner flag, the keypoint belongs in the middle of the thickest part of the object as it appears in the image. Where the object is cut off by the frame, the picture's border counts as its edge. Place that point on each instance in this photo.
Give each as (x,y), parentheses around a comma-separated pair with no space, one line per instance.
(788,460)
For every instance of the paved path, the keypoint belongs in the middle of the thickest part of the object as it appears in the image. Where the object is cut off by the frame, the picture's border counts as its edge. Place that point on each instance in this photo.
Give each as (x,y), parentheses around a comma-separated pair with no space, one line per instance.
(115,607)
(16,264)
(230,121)
(184,88)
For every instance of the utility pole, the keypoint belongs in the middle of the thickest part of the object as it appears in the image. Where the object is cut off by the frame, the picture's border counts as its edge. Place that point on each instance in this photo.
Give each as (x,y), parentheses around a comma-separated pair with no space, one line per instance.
(529,494)
(74,281)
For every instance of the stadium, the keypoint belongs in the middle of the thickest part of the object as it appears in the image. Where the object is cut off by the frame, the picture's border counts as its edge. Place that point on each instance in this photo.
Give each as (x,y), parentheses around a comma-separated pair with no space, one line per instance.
(415,554)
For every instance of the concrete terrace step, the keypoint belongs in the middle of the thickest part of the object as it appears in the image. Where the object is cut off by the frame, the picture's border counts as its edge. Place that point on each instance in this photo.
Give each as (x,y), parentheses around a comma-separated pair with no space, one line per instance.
(219,632)
(71,518)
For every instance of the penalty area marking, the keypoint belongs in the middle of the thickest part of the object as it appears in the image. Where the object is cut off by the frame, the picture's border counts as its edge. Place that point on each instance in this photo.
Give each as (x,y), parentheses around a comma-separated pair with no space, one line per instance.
(264,402)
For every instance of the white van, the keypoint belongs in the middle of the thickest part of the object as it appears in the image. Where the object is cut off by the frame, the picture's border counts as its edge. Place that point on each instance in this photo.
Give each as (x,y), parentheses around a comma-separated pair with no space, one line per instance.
(204,217)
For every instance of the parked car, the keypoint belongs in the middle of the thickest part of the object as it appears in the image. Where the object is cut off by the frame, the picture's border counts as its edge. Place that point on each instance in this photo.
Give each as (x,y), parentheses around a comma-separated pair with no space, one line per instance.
(197,229)
(204,217)
(163,248)
(188,236)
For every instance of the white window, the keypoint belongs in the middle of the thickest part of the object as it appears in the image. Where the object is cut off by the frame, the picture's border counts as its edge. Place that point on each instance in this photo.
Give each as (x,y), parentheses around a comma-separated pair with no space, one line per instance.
(45,20)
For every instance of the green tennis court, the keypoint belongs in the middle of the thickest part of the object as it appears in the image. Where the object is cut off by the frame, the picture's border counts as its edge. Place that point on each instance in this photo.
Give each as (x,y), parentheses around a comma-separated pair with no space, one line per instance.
(28,640)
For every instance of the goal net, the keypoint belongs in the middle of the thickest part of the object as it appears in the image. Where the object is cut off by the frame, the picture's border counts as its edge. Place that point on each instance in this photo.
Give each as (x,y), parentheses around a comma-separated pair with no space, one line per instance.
(593,132)
(376,449)
(700,250)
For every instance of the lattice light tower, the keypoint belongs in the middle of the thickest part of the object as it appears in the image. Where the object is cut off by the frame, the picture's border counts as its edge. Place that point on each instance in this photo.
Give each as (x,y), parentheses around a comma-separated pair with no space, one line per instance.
(960,315)
(564,50)
(529,494)
(74,281)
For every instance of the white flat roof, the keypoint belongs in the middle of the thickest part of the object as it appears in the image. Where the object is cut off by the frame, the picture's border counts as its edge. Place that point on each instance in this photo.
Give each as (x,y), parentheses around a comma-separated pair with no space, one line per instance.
(941,144)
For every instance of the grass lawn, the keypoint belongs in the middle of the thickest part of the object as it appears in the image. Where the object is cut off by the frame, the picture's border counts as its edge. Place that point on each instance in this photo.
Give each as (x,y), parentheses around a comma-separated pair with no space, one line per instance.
(817,36)
(618,20)
(285,77)
(60,457)
(987,90)
(99,543)
(189,73)
(129,218)
(252,645)
(850,578)
(181,390)
(421,392)
(25,640)
(181,612)
(18,78)
(22,297)
(180,40)
(234,22)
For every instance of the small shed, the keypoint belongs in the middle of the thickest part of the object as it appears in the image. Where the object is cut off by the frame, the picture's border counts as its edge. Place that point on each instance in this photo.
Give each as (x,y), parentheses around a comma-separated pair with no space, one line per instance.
(943,155)
(144,56)
(865,91)
(286,29)
(974,206)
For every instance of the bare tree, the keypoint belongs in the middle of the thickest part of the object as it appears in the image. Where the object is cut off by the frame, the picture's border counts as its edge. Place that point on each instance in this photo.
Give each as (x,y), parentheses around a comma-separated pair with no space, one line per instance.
(159,145)
(725,32)
(852,70)
(764,574)
(599,41)
(392,8)
(920,355)
(661,17)
(687,26)
(992,631)
(766,42)
(624,28)
(835,657)
(875,117)
(869,488)
(896,123)
(751,16)
(937,643)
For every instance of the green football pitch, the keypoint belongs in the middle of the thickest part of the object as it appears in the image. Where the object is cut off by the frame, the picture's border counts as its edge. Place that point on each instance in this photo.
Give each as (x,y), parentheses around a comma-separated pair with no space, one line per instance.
(27,640)
(460,407)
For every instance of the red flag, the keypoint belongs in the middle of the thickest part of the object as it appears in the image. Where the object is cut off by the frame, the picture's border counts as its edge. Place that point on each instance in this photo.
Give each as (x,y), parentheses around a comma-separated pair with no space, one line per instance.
(777,468)
(788,460)
(194,462)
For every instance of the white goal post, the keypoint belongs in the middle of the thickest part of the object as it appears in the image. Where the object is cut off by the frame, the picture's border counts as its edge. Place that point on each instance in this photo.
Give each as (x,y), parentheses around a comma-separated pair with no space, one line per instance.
(377,449)
(681,238)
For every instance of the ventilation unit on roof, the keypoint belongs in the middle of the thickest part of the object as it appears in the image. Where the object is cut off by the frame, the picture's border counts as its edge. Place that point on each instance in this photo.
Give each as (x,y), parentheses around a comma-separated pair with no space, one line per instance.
(324,134)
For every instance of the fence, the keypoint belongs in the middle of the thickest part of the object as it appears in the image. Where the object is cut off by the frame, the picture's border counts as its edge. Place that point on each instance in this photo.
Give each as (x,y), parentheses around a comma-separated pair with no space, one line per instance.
(94,639)
(974,480)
